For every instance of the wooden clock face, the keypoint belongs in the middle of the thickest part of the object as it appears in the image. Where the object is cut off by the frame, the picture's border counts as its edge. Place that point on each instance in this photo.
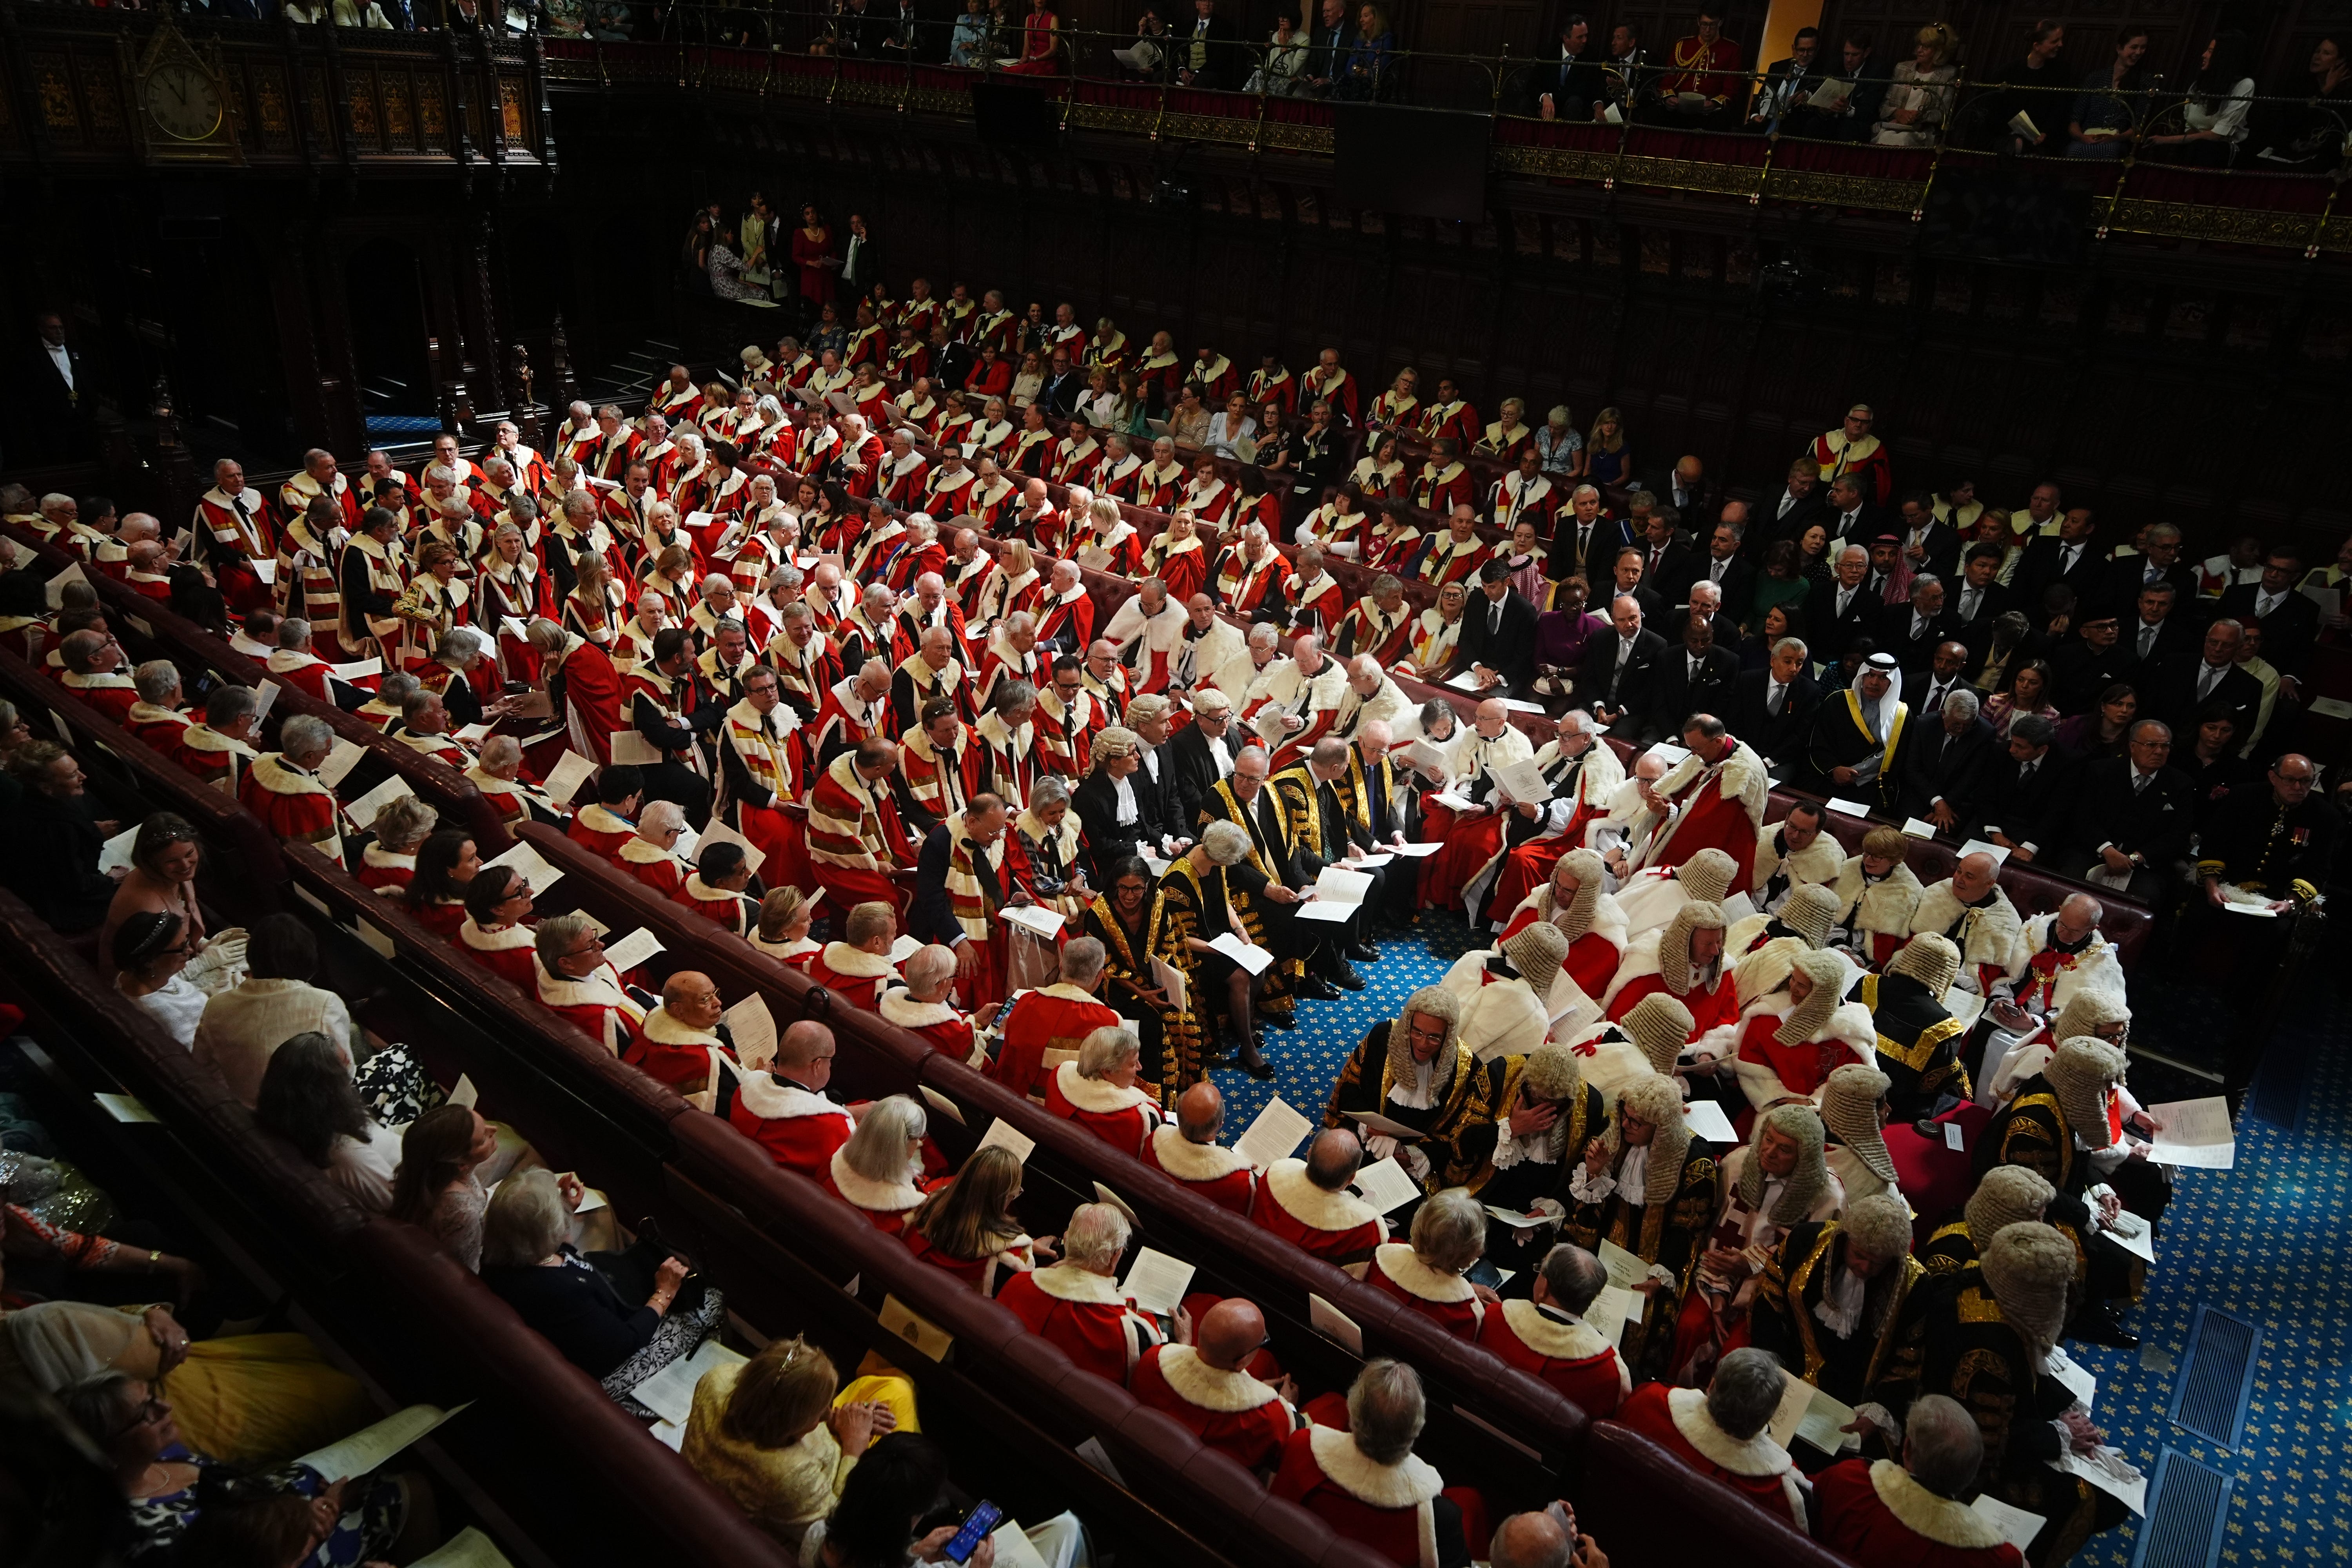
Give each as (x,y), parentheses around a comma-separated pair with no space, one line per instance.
(183,101)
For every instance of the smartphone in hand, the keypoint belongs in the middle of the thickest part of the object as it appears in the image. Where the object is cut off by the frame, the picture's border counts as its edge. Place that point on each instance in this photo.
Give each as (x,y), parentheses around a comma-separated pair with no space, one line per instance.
(978,1526)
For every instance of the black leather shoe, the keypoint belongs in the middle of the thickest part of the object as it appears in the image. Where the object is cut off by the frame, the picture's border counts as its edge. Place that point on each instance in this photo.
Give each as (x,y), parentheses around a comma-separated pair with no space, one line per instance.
(1254,1064)
(1319,988)
(2102,1327)
(1362,952)
(1348,979)
(1283,1021)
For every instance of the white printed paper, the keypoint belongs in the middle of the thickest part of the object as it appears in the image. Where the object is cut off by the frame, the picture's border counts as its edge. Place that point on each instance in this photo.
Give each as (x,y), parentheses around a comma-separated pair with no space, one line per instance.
(115,853)
(1274,1135)
(1611,1310)
(720,832)
(2133,1491)
(363,811)
(1523,781)
(2196,1132)
(633,948)
(2080,1380)
(464,1094)
(2016,1527)
(571,771)
(633,749)
(1334,1325)
(1373,1122)
(752,1029)
(340,759)
(356,670)
(1036,919)
(669,1393)
(368,1449)
(1517,1220)
(1002,1134)
(530,866)
(1954,1139)
(54,589)
(1418,851)
(1169,981)
(1157,1282)
(1626,1269)
(1385,1186)
(1248,954)
(1707,1123)
(1338,885)
(1918,829)
(905,948)
(1848,807)
(942,1104)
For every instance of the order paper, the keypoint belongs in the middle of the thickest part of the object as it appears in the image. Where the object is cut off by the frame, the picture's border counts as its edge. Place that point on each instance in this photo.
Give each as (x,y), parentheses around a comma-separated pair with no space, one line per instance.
(1273,1136)
(1157,1282)
(368,1449)
(633,948)
(1002,1134)
(1385,1186)
(530,866)
(1248,954)
(2196,1132)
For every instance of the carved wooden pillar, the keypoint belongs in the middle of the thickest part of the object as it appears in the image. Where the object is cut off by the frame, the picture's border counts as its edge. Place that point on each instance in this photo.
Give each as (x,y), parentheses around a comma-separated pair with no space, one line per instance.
(526,414)
(298,339)
(178,477)
(559,356)
(477,311)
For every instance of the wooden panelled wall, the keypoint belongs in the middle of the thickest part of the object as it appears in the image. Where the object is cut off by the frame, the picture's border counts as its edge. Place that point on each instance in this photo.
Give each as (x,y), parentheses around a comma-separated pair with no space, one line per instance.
(2145,386)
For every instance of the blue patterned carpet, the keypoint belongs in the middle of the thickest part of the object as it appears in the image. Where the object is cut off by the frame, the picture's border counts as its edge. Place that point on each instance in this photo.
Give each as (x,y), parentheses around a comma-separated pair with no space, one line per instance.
(2262,1242)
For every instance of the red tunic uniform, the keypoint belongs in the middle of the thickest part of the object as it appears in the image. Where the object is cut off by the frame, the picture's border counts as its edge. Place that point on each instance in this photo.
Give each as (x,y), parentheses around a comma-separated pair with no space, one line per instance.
(1564,1352)
(1756,1468)
(1084,1314)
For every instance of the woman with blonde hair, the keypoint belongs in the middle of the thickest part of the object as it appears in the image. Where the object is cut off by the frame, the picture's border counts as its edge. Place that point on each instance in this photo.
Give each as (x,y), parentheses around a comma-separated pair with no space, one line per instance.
(782,932)
(1920,100)
(966,1227)
(774,1433)
(1606,460)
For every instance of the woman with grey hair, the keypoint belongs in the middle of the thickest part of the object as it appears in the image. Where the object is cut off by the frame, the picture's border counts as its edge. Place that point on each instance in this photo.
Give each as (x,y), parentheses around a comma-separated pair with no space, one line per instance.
(880,1172)
(1099,1091)
(400,829)
(1047,831)
(454,674)
(513,585)
(1431,1273)
(618,1316)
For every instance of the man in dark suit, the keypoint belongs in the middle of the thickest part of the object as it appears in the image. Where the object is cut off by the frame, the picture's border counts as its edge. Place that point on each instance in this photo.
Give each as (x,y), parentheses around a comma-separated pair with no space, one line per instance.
(1772,709)
(2159,638)
(1944,768)
(1925,691)
(952,359)
(1064,385)
(2015,805)
(1797,507)
(2068,556)
(1200,756)
(2183,694)
(1567,88)
(1203,48)
(1620,673)
(2159,560)
(2085,668)
(1722,567)
(1626,579)
(1840,610)
(1928,544)
(1851,121)
(1692,495)
(1850,519)
(1698,678)
(2289,621)
(52,397)
(1586,540)
(1668,561)
(1977,600)
(1913,633)
(1786,80)
(1498,632)
(2129,815)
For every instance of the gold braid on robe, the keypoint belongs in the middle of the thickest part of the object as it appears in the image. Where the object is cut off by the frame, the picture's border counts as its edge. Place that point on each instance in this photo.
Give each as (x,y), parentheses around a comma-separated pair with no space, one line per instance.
(1801,1268)
(1125,963)
(1458,1133)
(1281,979)
(1672,1235)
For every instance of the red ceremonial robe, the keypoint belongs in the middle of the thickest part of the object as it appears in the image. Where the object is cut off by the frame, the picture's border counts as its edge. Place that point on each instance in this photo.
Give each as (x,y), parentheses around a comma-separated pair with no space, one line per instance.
(1709,1009)
(852,974)
(1592,958)
(599,1005)
(886,1203)
(1564,1352)
(112,694)
(1446,1299)
(1084,1314)
(157,729)
(601,831)
(685,1059)
(801,1130)
(1122,1117)
(1392,1508)
(592,702)
(1339,1227)
(1042,1031)
(1216,1172)
(1874,1513)
(388,873)
(656,868)
(949,1031)
(1230,1412)
(510,952)
(1756,1468)
(292,803)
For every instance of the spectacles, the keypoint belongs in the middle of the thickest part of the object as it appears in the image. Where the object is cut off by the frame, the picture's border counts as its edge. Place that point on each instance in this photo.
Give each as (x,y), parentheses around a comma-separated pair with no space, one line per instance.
(151,1411)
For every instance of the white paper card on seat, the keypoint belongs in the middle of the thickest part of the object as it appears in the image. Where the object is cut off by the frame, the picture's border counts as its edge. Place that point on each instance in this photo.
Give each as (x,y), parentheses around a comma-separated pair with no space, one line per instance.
(720,832)
(571,771)
(2196,1132)
(1385,1186)
(1273,1136)
(531,865)
(1157,1282)
(1848,807)
(633,749)
(1002,1134)
(125,1107)
(340,759)
(1249,955)
(633,948)
(919,1331)
(942,1104)
(1954,1139)
(669,1393)
(1707,1123)
(1093,1453)
(1513,705)
(1918,829)
(1034,918)
(368,1449)
(1334,1325)
(1979,847)
(116,851)
(363,810)
(754,1030)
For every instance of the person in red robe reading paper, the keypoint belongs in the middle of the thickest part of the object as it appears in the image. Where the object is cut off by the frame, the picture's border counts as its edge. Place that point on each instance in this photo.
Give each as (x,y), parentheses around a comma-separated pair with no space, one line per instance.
(1187,1151)
(650,855)
(1545,1336)
(714,889)
(857,966)
(1248,576)
(783,1108)
(578,984)
(1883,1514)
(682,1042)
(1045,1029)
(1099,1092)
(879,1170)
(924,1005)
(763,774)
(1206,1386)
(1077,1305)
(1719,794)
(601,828)
(1429,1274)
(1721,1432)
(1307,1203)
(1851,448)
(1788,1052)
(1367,1484)
(1685,960)
(855,839)
(283,788)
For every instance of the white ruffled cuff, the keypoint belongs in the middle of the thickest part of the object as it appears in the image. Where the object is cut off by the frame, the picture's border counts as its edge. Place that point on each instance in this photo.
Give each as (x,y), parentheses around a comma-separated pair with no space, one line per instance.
(1588,1188)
